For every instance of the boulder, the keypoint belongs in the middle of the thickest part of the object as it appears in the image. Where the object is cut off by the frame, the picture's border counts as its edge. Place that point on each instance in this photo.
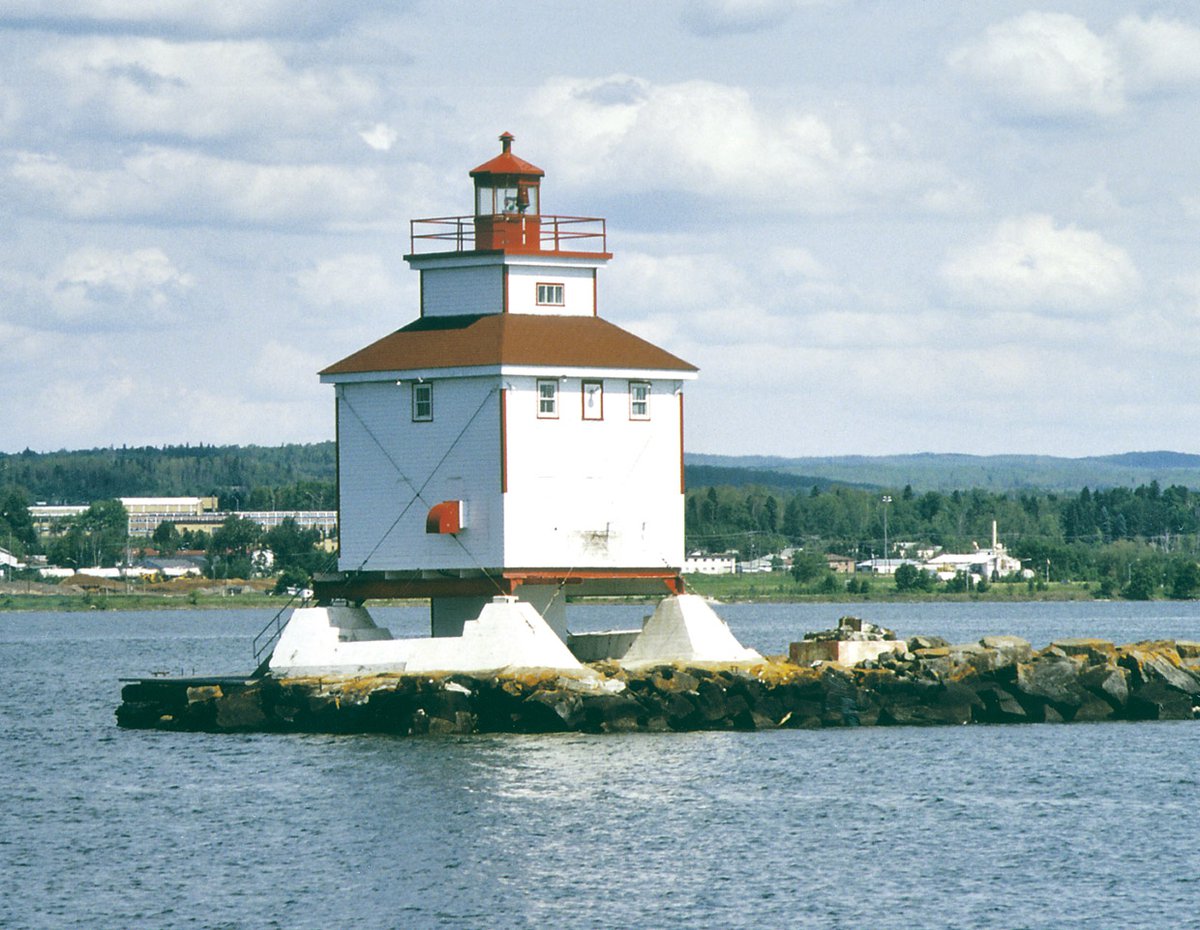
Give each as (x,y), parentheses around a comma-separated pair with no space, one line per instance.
(1093,651)
(1108,682)
(1053,680)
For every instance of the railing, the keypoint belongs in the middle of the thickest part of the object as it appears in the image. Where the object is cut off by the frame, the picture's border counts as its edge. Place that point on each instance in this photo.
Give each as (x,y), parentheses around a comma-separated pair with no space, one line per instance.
(558,233)
(269,635)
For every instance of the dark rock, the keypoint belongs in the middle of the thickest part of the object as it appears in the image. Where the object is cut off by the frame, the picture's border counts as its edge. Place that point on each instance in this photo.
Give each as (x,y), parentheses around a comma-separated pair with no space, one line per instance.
(1109,682)
(999,706)
(1157,700)
(1054,680)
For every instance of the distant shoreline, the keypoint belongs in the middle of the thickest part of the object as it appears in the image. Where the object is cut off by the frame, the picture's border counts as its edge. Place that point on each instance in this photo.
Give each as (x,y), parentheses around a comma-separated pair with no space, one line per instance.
(12,599)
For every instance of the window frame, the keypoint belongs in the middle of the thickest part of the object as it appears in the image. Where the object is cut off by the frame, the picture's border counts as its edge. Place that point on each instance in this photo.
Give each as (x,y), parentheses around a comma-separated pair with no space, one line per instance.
(645,401)
(598,385)
(426,388)
(548,286)
(551,414)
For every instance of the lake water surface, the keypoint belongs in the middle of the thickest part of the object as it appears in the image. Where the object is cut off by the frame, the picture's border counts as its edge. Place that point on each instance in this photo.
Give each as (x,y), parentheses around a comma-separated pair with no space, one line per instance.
(1042,826)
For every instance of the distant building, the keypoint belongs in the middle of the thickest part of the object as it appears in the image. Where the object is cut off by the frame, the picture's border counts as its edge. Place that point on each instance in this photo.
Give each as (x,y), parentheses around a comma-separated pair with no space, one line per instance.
(842,564)
(146,513)
(697,564)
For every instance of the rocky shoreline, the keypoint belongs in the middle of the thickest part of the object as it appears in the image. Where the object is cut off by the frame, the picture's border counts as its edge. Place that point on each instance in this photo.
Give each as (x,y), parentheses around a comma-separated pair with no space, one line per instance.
(1000,679)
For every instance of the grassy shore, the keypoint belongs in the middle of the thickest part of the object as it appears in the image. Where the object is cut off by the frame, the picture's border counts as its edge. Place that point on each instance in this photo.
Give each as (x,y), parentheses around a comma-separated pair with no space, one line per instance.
(779,586)
(776,587)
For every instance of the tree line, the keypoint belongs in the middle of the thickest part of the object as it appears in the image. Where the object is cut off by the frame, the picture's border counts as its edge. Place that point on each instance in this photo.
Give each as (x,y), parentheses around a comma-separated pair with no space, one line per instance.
(288,477)
(1136,541)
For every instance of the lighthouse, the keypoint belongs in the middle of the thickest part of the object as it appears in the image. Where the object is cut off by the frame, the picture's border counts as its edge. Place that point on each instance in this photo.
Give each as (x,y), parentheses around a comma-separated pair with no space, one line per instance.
(509,448)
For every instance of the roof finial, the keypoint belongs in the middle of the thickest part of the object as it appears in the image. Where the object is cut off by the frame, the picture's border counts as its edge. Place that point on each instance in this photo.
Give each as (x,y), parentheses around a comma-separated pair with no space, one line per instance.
(506,141)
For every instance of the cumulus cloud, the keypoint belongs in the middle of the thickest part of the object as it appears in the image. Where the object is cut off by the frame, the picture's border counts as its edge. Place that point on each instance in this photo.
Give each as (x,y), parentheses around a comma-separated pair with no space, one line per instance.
(1054,65)
(111,290)
(177,187)
(345,281)
(1029,263)
(1158,54)
(199,90)
(705,138)
(93,280)
(1045,64)
(726,17)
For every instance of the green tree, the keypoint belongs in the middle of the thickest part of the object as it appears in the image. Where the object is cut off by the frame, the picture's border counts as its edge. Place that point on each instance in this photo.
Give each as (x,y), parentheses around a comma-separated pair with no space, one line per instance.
(910,578)
(229,549)
(1185,578)
(1143,582)
(97,537)
(16,526)
(808,565)
(166,538)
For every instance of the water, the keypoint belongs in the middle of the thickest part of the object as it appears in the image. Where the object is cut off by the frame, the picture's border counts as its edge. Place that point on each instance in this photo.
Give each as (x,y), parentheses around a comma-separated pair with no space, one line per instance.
(996,827)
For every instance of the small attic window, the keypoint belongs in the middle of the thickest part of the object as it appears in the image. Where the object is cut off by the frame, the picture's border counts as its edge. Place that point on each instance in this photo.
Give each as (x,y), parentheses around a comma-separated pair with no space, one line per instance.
(550,295)
(422,402)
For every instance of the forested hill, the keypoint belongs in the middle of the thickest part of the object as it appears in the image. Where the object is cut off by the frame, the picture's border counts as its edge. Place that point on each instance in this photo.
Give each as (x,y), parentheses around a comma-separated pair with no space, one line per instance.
(285,477)
(301,476)
(947,472)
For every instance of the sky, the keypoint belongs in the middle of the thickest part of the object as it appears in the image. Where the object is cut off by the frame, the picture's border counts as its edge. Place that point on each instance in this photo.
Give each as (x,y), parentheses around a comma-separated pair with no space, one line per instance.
(876,227)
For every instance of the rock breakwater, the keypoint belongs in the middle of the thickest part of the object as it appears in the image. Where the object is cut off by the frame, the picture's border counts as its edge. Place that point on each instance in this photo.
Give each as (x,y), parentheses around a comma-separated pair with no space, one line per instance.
(997,680)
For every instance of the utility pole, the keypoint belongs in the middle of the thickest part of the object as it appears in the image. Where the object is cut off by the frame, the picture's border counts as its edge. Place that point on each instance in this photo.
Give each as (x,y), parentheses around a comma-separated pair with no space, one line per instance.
(887,554)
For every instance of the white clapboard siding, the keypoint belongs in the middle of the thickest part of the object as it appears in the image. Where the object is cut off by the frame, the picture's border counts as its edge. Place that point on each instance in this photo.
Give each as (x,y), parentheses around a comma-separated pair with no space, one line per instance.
(376,434)
(579,290)
(462,290)
(596,494)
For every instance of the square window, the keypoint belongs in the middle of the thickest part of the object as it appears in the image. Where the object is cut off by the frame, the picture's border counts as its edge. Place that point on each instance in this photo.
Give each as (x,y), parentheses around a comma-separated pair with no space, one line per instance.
(639,400)
(422,402)
(550,295)
(593,400)
(547,399)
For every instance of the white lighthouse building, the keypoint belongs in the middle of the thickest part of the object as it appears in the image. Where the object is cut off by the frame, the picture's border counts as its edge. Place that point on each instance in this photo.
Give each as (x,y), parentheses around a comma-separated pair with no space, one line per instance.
(508,445)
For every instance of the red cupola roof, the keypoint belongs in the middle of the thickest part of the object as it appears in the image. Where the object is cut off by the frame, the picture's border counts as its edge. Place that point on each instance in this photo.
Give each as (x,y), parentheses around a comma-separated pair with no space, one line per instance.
(508,163)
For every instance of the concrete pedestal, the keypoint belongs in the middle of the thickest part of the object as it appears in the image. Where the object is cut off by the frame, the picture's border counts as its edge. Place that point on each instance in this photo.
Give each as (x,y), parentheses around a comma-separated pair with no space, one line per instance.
(508,634)
(684,628)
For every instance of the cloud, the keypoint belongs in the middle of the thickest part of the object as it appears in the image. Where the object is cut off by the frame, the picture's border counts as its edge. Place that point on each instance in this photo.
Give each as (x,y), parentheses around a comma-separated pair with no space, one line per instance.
(1158,54)
(381,137)
(707,139)
(182,17)
(109,289)
(176,187)
(1045,65)
(349,281)
(730,17)
(148,87)
(1029,263)
(1054,65)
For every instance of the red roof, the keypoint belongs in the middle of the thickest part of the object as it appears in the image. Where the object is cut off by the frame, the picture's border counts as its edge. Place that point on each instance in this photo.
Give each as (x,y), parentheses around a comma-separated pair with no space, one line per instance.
(508,339)
(507,163)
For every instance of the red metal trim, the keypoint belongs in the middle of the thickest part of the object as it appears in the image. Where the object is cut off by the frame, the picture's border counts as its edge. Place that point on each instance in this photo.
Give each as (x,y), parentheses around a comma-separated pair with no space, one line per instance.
(503,441)
(337,462)
(445,518)
(563,235)
(682,484)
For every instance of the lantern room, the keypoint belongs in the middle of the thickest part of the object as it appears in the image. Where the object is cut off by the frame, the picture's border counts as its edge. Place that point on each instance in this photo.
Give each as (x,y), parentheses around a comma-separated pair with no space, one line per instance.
(507,213)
